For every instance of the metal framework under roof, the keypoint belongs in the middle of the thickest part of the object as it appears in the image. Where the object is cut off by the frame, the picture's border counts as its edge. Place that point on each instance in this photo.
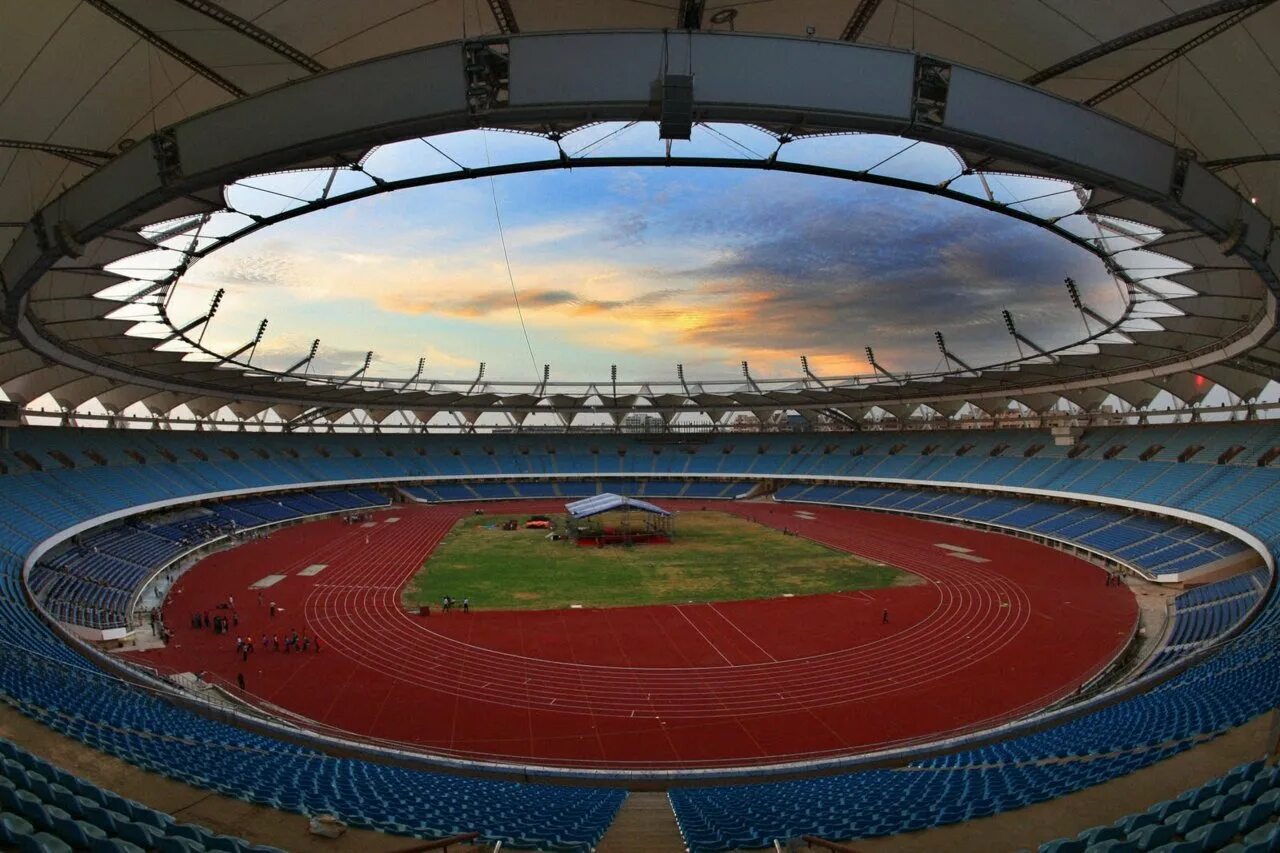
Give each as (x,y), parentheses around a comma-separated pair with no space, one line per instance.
(104,184)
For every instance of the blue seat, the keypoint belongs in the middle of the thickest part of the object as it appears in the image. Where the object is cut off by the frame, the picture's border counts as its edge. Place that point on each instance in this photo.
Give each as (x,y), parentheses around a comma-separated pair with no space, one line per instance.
(115,845)
(1098,834)
(1187,821)
(1249,818)
(33,810)
(1266,837)
(1133,823)
(1221,805)
(43,842)
(1211,836)
(14,827)
(1152,837)
(1114,845)
(77,833)
(177,844)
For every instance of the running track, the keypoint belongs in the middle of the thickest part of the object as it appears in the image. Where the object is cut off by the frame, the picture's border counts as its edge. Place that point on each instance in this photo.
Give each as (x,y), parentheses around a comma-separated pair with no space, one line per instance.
(660,686)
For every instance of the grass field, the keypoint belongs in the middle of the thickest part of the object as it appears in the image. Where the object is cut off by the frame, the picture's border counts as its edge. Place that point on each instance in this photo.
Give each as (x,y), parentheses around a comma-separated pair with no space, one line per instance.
(716,557)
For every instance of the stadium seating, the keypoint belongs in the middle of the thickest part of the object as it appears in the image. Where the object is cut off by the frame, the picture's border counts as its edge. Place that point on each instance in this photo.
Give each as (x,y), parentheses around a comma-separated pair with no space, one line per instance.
(1236,811)
(1205,695)
(47,809)
(1159,546)
(92,582)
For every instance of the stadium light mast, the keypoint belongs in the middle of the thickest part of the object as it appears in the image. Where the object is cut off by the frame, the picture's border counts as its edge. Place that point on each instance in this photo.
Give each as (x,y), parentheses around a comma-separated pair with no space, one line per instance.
(479,378)
(875,365)
(202,319)
(1085,311)
(422,363)
(683,384)
(251,347)
(751,383)
(213,309)
(364,368)
(948,355)
(1020,339)
(804,366)
(306,361)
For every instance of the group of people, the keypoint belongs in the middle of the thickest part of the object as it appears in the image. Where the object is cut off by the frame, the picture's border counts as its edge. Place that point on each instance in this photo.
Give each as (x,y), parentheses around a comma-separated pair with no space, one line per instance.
(447,603)
(1115,579)
(158,628)
(293,642)
(220,623)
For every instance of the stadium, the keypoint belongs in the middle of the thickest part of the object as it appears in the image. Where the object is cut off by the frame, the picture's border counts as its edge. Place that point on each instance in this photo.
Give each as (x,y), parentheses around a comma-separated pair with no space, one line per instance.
(836,424)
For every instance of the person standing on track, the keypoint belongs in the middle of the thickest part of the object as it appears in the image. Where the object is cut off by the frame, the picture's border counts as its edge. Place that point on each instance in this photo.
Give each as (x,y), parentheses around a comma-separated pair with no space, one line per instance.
(240,680)
(466,605)
(884,617)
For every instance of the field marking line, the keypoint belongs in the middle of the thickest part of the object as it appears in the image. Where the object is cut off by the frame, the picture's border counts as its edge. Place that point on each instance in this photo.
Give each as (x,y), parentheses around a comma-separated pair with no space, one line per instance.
(745,635)
(713,646)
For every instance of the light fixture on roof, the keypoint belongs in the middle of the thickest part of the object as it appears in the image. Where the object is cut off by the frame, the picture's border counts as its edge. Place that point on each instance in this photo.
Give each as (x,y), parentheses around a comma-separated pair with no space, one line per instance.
(725,16)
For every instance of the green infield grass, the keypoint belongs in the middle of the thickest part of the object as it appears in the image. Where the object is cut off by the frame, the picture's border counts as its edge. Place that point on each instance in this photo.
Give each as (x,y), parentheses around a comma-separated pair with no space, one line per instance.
(715,557)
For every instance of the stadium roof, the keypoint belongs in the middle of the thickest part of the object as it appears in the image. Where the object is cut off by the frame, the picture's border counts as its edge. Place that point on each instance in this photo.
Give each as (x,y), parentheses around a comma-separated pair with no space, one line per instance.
(124,121)
(608,502)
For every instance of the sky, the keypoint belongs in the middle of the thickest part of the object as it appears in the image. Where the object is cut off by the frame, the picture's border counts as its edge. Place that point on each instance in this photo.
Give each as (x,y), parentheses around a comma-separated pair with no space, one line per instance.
(645,267)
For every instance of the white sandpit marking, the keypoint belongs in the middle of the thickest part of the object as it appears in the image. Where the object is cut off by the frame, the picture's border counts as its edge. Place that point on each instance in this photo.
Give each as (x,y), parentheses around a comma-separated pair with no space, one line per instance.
(269,580)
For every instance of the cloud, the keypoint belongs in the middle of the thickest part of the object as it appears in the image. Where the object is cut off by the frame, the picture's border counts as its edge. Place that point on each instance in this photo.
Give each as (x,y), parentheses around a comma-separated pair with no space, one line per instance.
(662,266)
(258,268)
(497,302)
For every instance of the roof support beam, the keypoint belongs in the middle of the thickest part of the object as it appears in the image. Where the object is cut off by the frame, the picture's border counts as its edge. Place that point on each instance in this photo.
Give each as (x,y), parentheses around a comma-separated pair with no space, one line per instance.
(1177,53)
(1169,24)
(251,31)
(689,15)
(84,156)
(173,50)
(1231,162)
(859,19)
(506,19)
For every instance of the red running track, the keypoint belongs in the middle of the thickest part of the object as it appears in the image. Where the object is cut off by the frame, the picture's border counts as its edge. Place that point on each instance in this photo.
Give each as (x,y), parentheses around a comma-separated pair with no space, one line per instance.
(1012,628)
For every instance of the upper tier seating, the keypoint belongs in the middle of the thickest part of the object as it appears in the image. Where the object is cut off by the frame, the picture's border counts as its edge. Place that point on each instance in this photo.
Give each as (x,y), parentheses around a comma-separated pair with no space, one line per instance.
(1157,545)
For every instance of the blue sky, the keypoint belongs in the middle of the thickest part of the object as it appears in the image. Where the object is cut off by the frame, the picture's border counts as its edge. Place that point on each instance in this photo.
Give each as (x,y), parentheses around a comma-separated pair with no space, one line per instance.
(645,268)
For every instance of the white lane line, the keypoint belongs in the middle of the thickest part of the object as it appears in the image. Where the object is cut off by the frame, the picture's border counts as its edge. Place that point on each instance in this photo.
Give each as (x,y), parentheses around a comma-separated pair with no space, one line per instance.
(743,633)
(703,636)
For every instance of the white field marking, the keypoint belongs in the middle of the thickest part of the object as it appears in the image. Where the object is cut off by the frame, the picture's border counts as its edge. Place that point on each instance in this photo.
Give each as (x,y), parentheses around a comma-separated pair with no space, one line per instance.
(744,634)
(313,569)
(713,646)
(392,520)
(370,524)
(947,547)
(575,606)
(808,516)
(972,558)
(269,580)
